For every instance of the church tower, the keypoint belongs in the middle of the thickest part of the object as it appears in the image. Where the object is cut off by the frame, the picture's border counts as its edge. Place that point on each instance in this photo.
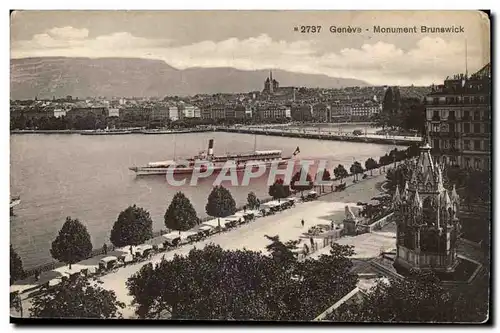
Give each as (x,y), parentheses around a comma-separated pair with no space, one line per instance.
(427,218)
(271,86)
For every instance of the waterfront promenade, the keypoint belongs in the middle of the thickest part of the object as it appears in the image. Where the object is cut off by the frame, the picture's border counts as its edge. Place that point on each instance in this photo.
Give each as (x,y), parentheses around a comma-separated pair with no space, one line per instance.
(251,236)
(324,135)
(285,131)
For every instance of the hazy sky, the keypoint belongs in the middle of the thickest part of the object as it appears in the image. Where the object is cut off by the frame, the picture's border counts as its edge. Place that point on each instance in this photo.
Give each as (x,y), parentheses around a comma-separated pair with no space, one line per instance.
(264,39)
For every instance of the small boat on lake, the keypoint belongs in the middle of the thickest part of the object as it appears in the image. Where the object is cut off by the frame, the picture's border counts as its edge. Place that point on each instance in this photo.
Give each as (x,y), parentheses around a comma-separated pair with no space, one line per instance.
(14,201)
(106,132)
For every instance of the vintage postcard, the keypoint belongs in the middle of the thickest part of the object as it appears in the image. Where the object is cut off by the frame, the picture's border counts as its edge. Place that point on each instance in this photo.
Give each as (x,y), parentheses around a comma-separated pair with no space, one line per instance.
(329,166)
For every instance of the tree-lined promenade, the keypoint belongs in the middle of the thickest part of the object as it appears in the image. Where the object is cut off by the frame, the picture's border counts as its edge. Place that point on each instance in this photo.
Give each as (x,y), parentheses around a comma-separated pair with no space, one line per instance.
(134,227)
(199,281)
(180,214)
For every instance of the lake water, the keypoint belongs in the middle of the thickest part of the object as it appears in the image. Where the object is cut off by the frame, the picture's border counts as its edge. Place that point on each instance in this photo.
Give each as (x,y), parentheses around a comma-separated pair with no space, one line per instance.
(87,177)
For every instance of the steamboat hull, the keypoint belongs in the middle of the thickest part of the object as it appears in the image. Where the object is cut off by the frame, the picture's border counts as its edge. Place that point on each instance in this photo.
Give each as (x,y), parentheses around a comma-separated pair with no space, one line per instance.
(144,171)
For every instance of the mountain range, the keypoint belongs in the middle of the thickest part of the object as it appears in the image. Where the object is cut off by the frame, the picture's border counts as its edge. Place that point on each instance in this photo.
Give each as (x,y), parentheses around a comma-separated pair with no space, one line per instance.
(126,77)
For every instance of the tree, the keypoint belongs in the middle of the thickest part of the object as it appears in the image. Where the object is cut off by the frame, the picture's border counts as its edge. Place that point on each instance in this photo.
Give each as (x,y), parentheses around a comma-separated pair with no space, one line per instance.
(133,227)
(72,244)
(212,283)
(420,297)
(355,169)
(278,190)
(340,172)
(397,176)
(283,252)
(180,214)
(252,201)
(16,266)
(384,160)
(371,164)
(220,203)
(76,298)
(296,185)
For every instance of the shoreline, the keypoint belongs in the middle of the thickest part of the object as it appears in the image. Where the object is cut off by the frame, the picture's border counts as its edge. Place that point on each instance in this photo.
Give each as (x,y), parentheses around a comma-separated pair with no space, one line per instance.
(403,141)
(324,192)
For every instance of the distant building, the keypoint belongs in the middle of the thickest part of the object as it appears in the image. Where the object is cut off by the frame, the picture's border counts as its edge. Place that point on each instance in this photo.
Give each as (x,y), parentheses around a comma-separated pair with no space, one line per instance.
(191,111)
(340,109)
(365,109)
(82,112)
(59,113)
(273,91)
(270,85)
(271,112)
(302,112)
(248,112)
(458,116)
(173,113)
(113,112)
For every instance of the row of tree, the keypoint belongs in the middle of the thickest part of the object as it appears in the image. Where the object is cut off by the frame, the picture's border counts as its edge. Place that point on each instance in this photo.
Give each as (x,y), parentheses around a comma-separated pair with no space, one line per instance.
(212,283)
(278,190)
(133,226)
(92,121)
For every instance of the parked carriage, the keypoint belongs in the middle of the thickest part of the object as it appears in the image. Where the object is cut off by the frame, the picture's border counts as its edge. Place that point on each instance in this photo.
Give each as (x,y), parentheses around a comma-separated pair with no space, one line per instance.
(108,263)
(143,251)
(172,239)
(312,195)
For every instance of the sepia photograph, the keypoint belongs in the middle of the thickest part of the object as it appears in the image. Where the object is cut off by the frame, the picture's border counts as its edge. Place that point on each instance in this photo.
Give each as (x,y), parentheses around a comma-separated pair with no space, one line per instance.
(250,165)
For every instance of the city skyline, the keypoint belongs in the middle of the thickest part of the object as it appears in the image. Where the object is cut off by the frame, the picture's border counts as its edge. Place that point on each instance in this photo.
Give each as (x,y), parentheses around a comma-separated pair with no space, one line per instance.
(256,40)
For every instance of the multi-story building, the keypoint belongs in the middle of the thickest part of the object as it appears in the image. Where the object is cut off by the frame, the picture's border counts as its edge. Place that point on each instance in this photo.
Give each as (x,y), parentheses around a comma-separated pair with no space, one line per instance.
(272,111)
(216,111)
(365,109)
(458,115)
(59,112)
(113,112)
(340,109)
(160,112)
(173,113)
(206,112)
(82,112)
(191,111)
(302,112)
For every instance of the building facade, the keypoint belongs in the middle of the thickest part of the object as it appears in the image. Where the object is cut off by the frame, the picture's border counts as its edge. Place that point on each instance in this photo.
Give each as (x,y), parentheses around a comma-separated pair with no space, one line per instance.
(458,116)
(173,113)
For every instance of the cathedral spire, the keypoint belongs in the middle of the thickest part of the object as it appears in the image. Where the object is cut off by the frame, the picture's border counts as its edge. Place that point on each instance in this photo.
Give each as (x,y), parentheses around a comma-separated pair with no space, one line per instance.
(446,200)
(417,203)
(405,191)
(396,199)
(454,195)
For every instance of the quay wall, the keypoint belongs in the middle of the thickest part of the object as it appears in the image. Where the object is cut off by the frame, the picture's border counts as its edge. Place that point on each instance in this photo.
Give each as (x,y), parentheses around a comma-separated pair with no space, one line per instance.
(318,136)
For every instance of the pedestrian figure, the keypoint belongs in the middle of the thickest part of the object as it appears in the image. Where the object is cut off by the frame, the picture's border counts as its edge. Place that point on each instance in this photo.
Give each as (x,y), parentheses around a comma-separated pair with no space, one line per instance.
(312,243)
(131,251)
(37,275)
(302,222)
(306,249)
(105,249)
(333,224)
